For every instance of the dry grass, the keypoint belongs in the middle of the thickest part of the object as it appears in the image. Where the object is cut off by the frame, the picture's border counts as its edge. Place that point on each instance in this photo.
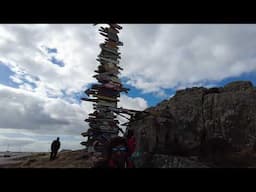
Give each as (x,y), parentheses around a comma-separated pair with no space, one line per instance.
(68,159)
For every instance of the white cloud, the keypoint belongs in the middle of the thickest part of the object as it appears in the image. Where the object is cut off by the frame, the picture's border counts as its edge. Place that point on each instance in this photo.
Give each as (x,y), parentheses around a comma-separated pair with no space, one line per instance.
(9,143)
(25,141)
(16,79)
(26,87)
(154,56)
(26,110)
(167,56)
(25,52)
(136,103)
(32,116)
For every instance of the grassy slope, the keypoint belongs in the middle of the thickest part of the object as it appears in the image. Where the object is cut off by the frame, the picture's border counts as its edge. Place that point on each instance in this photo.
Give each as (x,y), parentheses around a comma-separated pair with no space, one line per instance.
(68,159)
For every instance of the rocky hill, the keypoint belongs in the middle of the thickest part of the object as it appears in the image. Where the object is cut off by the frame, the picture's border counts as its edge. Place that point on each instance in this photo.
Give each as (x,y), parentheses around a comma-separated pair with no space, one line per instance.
(215,126)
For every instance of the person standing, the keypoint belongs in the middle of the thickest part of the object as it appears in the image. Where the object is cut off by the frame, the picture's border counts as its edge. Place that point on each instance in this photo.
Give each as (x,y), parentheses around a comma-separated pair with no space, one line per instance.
(55,146)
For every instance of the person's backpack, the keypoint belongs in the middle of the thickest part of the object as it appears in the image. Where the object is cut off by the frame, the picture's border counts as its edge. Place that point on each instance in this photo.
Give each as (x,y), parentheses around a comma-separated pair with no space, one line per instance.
(55,145)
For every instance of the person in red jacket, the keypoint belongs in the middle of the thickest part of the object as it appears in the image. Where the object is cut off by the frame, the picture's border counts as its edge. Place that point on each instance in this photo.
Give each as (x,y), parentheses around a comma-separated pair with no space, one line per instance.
(117,155)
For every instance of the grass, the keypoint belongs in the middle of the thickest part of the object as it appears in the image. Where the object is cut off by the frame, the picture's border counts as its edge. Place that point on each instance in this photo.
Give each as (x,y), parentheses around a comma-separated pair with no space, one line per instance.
(67,159)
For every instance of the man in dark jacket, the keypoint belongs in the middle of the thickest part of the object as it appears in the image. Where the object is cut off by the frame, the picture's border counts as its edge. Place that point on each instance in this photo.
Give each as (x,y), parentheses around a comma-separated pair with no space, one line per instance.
(54,148)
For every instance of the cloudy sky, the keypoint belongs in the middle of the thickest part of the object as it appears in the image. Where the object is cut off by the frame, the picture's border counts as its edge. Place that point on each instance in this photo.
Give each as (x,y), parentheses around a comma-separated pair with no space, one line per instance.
(44,70)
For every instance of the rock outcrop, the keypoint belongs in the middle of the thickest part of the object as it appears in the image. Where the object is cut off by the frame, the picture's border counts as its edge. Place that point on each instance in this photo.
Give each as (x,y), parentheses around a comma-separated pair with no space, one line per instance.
(200,121)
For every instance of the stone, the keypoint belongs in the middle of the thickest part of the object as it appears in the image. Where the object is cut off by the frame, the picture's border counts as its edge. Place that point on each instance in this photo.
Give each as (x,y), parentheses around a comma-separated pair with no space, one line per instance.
(198,119)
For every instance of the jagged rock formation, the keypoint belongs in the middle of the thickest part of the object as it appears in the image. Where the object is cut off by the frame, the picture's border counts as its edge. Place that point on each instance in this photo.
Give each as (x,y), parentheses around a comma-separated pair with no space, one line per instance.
(200,121)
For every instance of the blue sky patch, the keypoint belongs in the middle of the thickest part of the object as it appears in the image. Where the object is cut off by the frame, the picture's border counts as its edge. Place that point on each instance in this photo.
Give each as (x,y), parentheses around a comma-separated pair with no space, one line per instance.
(33,85)
(53,59)
(76,96)
(51,50)
(153,100)
(244,77)
(58,62)
(5,74)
